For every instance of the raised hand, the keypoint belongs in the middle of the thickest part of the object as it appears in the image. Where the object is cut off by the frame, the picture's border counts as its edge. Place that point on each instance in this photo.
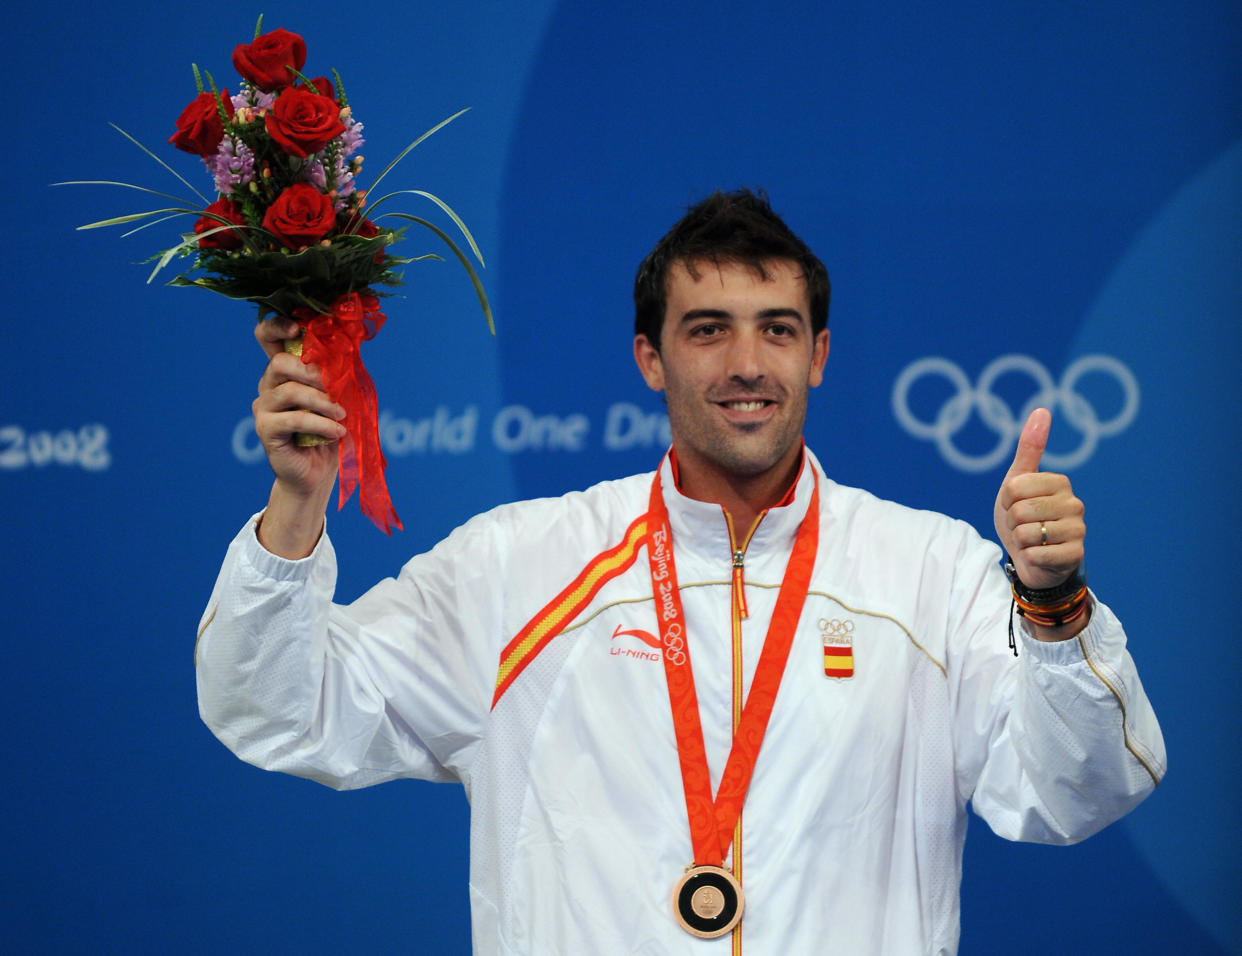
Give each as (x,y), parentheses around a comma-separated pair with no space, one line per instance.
(292,401)
(1038,518)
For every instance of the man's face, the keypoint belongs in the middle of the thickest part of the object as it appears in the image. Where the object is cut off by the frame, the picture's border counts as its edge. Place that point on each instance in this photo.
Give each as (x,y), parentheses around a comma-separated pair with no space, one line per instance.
(737,358)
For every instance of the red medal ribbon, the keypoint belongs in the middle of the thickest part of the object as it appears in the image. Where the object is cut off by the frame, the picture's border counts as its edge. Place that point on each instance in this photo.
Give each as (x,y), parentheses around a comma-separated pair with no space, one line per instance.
(332,340)
(712,820)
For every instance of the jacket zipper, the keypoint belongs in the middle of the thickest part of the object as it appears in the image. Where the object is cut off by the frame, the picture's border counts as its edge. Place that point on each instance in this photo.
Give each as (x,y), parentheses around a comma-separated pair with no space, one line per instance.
(738,613)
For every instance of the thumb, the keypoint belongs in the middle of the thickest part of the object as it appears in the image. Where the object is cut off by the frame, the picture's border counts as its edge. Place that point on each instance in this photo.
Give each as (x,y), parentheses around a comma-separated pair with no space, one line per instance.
(1031,443)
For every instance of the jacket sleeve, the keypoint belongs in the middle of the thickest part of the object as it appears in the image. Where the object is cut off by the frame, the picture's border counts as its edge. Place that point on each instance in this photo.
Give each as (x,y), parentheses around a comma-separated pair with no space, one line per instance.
(396,684)
(1057,743)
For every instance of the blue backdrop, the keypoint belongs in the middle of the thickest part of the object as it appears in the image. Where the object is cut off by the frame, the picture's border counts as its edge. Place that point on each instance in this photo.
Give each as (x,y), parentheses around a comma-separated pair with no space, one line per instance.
(1015,201)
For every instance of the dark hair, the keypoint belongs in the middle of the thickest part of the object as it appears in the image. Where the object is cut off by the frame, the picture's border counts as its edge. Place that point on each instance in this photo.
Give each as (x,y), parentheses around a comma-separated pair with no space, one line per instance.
(733,227)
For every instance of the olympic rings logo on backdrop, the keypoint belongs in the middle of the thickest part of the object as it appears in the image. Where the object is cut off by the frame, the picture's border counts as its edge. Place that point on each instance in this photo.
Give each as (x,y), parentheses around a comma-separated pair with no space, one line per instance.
(1061,398)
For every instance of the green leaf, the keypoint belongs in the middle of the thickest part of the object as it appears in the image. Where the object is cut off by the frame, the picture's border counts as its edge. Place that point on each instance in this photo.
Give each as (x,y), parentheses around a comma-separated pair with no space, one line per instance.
(281,280)
(474,276)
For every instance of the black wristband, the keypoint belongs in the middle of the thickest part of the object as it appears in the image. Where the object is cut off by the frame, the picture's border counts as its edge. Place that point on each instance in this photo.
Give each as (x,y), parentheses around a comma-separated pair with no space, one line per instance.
(1045,597)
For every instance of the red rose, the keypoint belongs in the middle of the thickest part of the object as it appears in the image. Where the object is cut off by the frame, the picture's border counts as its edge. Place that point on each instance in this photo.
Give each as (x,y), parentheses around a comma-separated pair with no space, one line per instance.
(302,122)
(324,86)
(366,230)
(226,238)
(266,61)
(300,216)
(199,127)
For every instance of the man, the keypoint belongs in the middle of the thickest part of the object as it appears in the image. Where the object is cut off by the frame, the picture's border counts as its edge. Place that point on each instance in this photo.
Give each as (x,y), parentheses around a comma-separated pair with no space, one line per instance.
(733,700)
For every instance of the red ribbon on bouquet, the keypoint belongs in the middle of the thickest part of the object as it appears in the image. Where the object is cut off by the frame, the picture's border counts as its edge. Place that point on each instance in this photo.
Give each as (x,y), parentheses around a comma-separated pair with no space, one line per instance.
(332,340)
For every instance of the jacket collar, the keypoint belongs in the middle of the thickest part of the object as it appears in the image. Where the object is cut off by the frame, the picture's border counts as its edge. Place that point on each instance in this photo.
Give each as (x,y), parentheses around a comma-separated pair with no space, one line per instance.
(700,527)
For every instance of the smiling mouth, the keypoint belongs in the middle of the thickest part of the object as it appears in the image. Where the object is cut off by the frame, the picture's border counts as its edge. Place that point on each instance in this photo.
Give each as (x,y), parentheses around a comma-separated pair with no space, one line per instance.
(750,405)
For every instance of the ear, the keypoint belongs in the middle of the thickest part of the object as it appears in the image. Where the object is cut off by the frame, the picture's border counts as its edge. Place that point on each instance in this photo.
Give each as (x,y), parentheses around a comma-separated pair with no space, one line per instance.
(648,359)
(819,355)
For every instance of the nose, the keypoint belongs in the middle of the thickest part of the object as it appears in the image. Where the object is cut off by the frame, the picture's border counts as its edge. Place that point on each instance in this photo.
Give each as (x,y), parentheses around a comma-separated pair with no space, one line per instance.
(745,362)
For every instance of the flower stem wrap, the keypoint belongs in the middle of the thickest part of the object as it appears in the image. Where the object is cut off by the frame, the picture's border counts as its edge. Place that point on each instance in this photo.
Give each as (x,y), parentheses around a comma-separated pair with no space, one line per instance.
(332,340)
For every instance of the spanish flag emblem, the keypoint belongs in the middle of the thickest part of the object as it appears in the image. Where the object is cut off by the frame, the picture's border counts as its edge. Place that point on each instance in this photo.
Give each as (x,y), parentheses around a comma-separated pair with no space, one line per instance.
(838,661)
(838,648)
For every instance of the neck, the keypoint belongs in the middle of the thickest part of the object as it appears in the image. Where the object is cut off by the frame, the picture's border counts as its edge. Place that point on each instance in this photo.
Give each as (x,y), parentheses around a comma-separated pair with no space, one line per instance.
(744,497)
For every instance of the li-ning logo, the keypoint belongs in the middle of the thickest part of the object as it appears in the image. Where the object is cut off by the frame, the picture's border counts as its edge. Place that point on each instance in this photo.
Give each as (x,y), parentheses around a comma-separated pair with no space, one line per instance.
(647,638)
(838,647)
(996,413)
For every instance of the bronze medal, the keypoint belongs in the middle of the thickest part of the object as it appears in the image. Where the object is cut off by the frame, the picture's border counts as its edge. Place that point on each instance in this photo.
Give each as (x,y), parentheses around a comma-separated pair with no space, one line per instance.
(708,901)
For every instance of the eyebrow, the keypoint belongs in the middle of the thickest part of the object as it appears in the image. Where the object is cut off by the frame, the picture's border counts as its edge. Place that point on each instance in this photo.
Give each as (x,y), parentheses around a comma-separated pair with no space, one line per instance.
(777,313)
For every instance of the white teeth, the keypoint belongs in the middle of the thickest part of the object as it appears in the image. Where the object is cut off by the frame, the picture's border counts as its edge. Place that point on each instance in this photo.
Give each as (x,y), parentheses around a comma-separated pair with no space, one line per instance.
(745,406)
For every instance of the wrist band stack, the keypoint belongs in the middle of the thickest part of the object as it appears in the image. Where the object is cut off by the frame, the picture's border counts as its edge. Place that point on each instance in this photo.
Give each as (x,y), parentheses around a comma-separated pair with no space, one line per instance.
(1047,607)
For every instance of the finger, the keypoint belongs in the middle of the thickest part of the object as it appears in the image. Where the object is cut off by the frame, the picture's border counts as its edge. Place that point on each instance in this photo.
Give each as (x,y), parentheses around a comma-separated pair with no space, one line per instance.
(284,367)
(292,408)
(272,333)
(1043,534)
(1041,484)
(1031,443)
(279,428)
(295,395)
(1045,508)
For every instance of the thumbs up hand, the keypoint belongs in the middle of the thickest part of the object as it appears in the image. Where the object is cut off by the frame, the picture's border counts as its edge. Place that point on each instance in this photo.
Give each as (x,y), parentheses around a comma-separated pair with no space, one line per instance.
(1038,518)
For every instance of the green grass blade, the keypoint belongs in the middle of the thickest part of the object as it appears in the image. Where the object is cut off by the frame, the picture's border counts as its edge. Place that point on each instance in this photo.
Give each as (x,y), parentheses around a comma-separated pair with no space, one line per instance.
(168,255)
(461,257)
(112,182)
(160,161)
(148,225)
(474,246)
(134,217)
(401,155)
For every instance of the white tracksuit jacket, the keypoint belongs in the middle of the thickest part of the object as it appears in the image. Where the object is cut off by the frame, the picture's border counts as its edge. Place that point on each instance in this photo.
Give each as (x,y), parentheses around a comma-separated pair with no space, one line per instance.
(515,657)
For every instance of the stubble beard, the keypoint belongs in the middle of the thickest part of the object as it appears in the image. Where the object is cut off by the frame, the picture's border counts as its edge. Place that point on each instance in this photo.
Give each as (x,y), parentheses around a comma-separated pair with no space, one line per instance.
(745,451)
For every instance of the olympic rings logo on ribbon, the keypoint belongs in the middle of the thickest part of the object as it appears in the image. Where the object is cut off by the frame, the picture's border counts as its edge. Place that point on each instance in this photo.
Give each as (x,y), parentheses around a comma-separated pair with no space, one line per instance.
(997,415)
(673,645)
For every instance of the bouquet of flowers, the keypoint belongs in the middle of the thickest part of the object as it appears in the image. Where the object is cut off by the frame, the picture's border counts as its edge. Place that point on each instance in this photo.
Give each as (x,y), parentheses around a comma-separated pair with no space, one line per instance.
(287,228)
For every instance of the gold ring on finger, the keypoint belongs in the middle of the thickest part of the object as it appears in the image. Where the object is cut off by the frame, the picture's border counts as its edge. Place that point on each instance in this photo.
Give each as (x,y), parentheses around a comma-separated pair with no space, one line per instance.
(1043,532)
